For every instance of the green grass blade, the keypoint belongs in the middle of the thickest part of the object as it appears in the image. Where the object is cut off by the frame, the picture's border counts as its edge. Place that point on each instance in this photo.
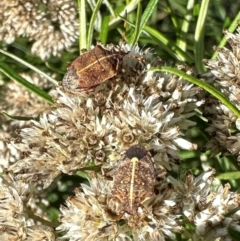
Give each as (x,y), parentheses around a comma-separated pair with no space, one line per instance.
(172,13)
(110,8)
(229,175)
(29,66)
(232,28)
(199,37)
(19,79)
(143,19)
(182,40)
(19,118)
(82,25)
(234,233)
(203,85)
(137,30)
(91,24)
(104,32)
(128,9)
(148,12)
(168,45)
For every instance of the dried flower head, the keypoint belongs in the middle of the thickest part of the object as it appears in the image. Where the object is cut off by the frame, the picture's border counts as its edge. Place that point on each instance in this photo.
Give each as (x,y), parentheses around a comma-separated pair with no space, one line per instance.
(137,106)
(212,222)
(89,215)
(19,102)
(15,222)
(51,25)
(224,125)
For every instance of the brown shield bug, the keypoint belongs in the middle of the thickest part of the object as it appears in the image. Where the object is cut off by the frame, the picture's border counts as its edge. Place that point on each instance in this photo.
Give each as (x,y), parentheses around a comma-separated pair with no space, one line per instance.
(134,178)
(93,67)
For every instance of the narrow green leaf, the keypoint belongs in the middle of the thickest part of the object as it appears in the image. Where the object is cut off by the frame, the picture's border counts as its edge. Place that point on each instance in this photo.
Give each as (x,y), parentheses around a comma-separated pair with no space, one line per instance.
(104,31)
(29,66)
(82,25)
(19,118)
(183,35)
(172,11)
(131,6)
(143,19)
(184,155)
(168,45)
(199,36)
(203,85)
(148,12)
(83,174)
(234,234)
(137,30)
(110,8)
(91,24)
(232,28)
(229,176)
(19,79)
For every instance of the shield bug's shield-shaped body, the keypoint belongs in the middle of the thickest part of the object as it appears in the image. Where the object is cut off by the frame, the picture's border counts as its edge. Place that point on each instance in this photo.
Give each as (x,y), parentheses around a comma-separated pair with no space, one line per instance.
(93,67)
(134,178)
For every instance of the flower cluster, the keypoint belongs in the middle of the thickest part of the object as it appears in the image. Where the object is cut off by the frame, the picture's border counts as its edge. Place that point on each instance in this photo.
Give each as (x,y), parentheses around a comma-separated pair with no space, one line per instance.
(224,125)
(17,224)
(51,25)
(86,216)
(17,102)
(135,107)
(90,129)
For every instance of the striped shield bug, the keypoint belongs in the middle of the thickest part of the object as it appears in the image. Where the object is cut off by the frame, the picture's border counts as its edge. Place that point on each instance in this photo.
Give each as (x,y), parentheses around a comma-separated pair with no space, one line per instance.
(93,68)
(133,178)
